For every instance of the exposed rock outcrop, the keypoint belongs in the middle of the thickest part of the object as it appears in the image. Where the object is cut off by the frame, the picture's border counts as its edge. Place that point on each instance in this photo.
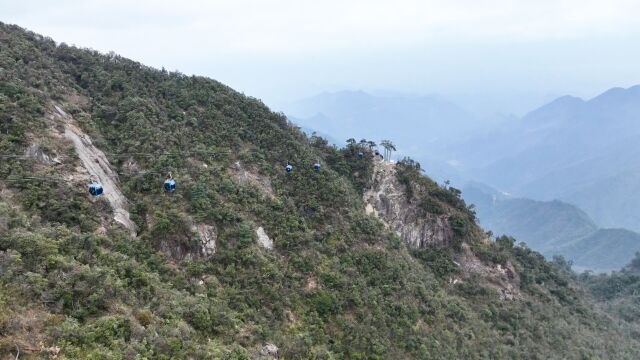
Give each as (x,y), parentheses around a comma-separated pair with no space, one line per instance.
(97,165)
(191,241)
(503,278)
(208,239)
(247,177)
(270,350)
(312,284)
(35,151)
(388,201)
(263,238)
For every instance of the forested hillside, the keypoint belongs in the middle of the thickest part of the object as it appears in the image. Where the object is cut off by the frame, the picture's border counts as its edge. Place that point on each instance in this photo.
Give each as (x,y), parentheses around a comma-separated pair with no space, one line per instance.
(243,260)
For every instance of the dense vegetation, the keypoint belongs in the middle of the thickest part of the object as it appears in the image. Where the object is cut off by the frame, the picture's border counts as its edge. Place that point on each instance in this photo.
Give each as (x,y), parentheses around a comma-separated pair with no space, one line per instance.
(336,285)
(618,293)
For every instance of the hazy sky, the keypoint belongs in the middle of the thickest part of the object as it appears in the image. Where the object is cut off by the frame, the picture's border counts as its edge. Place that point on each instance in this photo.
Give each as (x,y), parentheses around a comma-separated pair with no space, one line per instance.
(499,52)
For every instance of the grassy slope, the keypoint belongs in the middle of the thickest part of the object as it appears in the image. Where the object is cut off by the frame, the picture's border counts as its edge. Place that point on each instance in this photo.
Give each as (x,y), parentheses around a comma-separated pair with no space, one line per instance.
(107,295)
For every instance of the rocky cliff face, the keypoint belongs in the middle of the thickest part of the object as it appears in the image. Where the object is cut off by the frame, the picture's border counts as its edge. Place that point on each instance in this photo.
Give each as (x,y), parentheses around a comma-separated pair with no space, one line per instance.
(387,200)
(96,164)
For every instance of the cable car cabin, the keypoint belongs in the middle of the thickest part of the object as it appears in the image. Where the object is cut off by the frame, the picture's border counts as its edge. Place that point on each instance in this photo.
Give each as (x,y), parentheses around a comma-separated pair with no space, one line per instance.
(316,166)
(288,168)
(95,189)
(169,185)
(377,152)
(360,155)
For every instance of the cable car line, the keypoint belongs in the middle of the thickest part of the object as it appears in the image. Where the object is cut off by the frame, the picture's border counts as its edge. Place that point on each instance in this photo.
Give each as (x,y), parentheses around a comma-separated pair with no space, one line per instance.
(125,154)
(96,189)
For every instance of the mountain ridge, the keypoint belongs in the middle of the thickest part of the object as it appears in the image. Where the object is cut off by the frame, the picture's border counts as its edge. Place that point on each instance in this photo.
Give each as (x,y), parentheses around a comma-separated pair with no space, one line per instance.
(577,149)
(554,228)
(244,260)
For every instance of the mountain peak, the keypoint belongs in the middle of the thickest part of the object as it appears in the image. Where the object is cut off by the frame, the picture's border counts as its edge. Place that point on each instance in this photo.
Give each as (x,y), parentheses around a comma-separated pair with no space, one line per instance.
(617,96)
(561,104)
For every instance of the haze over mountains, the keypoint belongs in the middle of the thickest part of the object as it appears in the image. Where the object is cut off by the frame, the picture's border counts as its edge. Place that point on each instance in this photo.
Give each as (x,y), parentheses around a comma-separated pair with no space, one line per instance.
(415,122)
(554,228)
(582,152)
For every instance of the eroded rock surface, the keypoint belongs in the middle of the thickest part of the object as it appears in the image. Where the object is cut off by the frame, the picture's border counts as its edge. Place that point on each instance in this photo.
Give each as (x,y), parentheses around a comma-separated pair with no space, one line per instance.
(503,278)
(246,176)
(97,165)
(387,200)
(208,239)
(35,151)
(270,350)
(263,238)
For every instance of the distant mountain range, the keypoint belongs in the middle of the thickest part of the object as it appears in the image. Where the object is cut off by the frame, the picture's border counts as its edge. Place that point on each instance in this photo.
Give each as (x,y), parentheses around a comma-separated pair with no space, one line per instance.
(553,228)
(415,123)
(420,126)
(586,153)
(572,165)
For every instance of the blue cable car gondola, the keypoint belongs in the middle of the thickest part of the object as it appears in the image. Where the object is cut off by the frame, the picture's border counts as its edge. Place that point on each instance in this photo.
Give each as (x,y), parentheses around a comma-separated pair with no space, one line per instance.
(360,154)
(169,184)
(95,188)
(317,166)
(288,168)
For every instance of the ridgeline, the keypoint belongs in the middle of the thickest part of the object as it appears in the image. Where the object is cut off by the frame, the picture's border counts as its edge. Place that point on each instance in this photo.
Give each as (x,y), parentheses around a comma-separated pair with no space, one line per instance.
(360,260)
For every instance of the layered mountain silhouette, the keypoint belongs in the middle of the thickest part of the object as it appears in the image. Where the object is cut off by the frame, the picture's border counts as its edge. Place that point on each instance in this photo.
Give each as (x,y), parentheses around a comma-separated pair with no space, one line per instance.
(414,122)
(554,228)
(582,152)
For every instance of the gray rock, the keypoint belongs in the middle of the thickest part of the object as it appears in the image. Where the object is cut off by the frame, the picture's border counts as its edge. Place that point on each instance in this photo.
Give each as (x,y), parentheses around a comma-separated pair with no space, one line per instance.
(387,200)
(263,238)
(269,349)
